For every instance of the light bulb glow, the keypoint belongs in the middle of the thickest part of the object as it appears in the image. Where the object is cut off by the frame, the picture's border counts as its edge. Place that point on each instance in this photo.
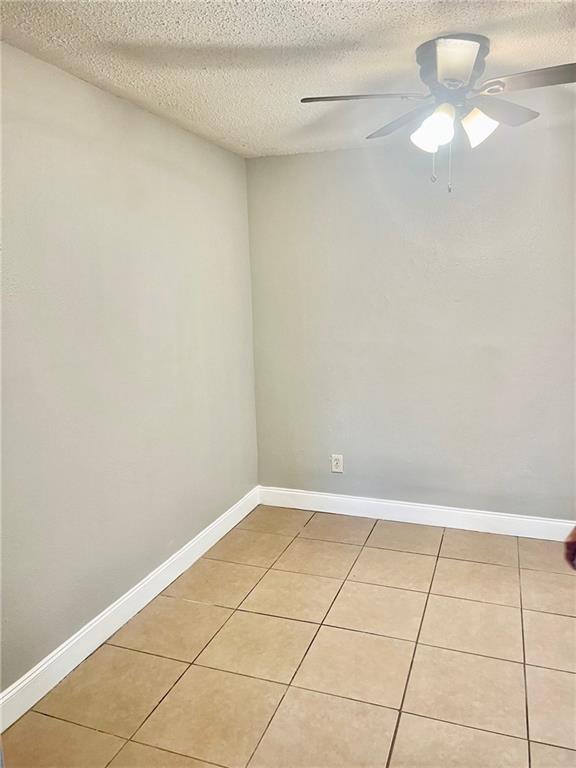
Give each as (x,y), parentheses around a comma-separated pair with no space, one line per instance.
(478,126)
(436,130)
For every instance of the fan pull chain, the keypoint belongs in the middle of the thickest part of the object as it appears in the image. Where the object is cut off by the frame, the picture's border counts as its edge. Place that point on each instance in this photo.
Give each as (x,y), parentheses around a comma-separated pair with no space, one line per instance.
(450,167)
(433,177)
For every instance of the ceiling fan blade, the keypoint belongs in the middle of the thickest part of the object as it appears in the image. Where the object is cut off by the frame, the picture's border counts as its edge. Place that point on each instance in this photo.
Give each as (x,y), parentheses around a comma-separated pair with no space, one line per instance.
(455,60)
(407,119)
(505,112)
(535,78)
(359,96)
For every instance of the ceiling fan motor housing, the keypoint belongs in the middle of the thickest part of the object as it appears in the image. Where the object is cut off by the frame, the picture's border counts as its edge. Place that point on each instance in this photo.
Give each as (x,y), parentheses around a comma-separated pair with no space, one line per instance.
(450,90)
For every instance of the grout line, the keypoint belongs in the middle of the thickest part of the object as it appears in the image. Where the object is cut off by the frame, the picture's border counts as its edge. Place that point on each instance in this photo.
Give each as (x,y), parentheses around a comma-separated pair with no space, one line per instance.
(434,594)
(266,569)
(548,744)
(271,567)
(304,656)
(279,616)
(210,605)
(283,570)
(71,722)
(310,573)
(240,525)
(478,562)
(357,581)
(148,653)
(115,754)
(549,613)
(468,653)
(553,669)
(525,677)
(323,693)
(202,665)
(386,586)
(470,727)
(550,573)
(217,605)
(161,700)
(171,752)
(233,611)
(337,696)
(331,626)
(393,741)
(286,688)
(346,698)
(337,541)
(400,551)
(443,557)
(199,602)
(475,600)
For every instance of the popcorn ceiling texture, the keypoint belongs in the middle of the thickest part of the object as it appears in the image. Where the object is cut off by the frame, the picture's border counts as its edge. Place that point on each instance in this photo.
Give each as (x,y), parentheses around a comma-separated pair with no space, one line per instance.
(234,72)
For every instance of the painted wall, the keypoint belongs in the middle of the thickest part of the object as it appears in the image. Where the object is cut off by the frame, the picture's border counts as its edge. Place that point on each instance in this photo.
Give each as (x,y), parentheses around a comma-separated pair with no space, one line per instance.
(129,418)
(426,336)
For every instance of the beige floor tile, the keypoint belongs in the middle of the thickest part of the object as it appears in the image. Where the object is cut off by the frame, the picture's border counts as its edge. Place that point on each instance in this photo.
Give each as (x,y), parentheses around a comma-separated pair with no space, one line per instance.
(423,743)
(249,548)
(318,558)
(552,706)
(394,569)
(172,627)
(293,595)
(550,640)
(477,581)
(213,716)
(344,529)
(382,610)
(138,756)
(114,690)
(480,547)
(282,520)
(37,741)
(551,592)
(260,646)
(467,690)
(356,665)
(406,537)
(541,555)
(544,756)
(314,730)
(464,625)
(216,582)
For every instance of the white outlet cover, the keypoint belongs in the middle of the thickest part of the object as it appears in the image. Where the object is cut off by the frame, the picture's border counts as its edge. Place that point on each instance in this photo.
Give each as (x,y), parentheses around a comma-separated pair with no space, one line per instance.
(337,462)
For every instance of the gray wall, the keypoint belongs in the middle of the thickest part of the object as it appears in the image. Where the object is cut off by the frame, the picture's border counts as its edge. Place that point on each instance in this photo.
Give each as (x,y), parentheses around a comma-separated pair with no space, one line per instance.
(128,370)
(428,337)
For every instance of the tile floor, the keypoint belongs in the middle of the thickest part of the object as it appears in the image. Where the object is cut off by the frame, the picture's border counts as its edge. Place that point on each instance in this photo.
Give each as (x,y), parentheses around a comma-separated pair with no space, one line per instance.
(307,640)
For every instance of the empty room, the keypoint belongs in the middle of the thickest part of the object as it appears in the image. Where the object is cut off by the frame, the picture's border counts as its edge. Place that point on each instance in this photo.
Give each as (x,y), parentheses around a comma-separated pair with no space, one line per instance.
(288,355)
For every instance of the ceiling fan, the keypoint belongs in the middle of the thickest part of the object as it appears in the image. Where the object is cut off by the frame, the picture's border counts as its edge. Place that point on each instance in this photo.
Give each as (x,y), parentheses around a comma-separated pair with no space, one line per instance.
(450,67)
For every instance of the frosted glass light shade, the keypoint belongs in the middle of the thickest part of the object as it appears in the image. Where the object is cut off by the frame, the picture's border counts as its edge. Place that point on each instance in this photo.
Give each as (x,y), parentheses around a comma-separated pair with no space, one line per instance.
(478,126)
(436,130)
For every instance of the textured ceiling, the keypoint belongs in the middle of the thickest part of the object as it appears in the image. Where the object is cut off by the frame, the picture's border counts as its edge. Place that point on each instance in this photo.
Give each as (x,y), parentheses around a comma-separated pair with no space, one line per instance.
(234,71)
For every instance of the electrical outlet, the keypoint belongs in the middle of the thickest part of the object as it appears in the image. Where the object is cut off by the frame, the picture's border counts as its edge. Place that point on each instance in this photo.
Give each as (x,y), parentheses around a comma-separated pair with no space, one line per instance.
(337,462)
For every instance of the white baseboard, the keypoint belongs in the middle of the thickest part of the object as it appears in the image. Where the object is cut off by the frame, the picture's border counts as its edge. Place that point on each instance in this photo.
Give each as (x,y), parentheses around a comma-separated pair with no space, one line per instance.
(428,514)
(36,683)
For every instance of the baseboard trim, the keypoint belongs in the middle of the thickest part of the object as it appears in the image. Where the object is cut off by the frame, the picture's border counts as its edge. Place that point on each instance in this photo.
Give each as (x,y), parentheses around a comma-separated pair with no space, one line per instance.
(410,512)
(36,683)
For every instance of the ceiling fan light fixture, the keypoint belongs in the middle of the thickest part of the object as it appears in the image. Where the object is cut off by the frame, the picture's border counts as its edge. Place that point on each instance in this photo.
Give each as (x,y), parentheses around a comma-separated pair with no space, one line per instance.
(436,130)
(478,126)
